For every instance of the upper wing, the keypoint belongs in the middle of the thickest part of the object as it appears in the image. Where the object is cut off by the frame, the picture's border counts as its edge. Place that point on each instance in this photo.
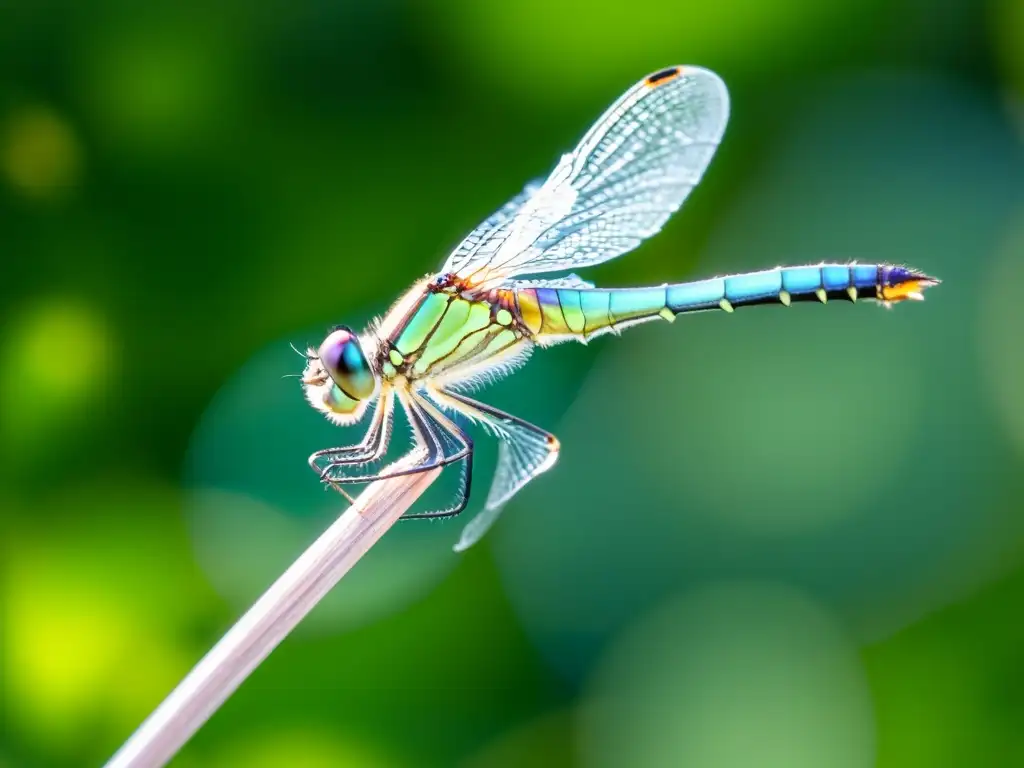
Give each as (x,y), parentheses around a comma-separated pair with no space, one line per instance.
(628,175)
(480,244)
(569,281)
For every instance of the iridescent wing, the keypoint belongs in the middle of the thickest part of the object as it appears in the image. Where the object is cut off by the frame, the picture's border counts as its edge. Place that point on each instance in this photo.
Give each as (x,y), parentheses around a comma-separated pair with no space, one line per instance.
(479,244)
(569,281)
(524,451)
(628,175)
(522,455)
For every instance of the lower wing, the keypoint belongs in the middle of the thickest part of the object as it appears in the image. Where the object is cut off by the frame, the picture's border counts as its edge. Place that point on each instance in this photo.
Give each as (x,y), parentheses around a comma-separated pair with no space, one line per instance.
(524,451)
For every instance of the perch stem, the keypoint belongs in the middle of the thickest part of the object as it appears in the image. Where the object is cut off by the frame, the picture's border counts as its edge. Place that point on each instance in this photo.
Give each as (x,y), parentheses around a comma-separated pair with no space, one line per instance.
(268,621)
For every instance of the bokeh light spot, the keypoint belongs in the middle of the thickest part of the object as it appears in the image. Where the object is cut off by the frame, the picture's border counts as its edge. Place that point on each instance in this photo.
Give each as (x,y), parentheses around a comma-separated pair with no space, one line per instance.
(159,79)
(39,153)
(730,675)
(1000,326)
(57,358)
(63,640)
(100,607)
(74,655)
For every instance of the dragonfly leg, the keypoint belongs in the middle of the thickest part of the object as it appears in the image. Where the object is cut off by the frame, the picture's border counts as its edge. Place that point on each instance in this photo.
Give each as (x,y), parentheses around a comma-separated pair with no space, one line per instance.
(504,422)
(524,451)
(459,436)
(433,432)
(370,448)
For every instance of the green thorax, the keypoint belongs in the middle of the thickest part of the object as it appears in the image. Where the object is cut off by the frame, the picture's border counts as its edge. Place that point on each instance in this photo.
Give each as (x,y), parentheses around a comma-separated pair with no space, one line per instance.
(444,329)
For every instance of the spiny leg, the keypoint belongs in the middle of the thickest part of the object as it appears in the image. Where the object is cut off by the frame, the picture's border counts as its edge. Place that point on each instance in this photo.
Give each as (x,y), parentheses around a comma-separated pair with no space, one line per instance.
(370,448)
(525,449)
(442,423)
(428,441)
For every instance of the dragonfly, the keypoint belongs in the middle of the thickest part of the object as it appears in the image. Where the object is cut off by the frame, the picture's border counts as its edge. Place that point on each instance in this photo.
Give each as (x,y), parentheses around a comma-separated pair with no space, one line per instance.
(482,315)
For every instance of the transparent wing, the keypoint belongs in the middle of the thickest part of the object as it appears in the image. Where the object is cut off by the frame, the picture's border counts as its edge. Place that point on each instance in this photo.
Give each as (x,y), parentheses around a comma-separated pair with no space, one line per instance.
(627,176)
(524,451)
(480,244)
(569,281)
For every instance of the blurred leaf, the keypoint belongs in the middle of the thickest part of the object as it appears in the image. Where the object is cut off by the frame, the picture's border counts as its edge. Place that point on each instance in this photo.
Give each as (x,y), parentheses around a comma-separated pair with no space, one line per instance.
(40,154)
(948,688)
(569,51)
(58,360)
(99,614)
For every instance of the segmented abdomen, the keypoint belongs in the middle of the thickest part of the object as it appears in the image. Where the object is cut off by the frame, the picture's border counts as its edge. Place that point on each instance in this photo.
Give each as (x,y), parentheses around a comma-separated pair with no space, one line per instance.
(560,312)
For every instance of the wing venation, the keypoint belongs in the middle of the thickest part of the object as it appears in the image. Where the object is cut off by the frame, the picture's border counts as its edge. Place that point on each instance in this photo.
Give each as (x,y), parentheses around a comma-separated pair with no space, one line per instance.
(630,172)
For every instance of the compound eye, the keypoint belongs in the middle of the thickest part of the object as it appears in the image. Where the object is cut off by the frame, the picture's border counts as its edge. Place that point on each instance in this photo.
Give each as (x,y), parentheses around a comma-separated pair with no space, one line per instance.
(343,358)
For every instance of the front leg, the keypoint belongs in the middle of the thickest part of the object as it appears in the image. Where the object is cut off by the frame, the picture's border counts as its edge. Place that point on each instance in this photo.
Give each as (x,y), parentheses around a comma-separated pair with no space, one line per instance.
(459,436)
(439,442)
(370,448)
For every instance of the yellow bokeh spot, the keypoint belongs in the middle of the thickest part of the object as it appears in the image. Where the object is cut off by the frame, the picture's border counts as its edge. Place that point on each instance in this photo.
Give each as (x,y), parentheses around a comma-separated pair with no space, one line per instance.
(135,689)
(64,350)
(39,153)
(62,646)
(57,357)
(62,642)
(76,657)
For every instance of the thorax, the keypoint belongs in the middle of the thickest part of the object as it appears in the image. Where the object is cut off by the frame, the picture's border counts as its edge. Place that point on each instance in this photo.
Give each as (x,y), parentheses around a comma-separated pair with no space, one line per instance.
(439,325)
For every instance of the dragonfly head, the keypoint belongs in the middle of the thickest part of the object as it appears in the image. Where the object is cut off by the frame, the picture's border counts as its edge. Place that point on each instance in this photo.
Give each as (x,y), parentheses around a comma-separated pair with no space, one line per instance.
(338,379)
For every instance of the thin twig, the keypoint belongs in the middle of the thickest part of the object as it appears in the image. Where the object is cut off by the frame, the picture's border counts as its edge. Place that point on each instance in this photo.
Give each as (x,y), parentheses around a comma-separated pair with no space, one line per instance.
(269,620)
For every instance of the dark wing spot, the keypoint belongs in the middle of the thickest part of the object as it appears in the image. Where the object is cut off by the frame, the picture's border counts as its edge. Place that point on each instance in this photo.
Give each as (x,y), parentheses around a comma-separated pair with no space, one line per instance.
(664,75)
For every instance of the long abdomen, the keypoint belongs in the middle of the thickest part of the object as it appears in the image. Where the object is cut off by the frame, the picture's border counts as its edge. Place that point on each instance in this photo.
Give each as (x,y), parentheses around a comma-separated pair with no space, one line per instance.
(557,313)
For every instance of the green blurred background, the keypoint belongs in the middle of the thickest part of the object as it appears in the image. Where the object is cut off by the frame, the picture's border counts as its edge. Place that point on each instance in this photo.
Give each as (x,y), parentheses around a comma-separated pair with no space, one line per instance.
(779,538)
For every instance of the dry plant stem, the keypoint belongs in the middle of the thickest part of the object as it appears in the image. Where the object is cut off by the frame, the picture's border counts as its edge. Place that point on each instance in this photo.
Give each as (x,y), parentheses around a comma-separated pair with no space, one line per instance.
(269,620)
